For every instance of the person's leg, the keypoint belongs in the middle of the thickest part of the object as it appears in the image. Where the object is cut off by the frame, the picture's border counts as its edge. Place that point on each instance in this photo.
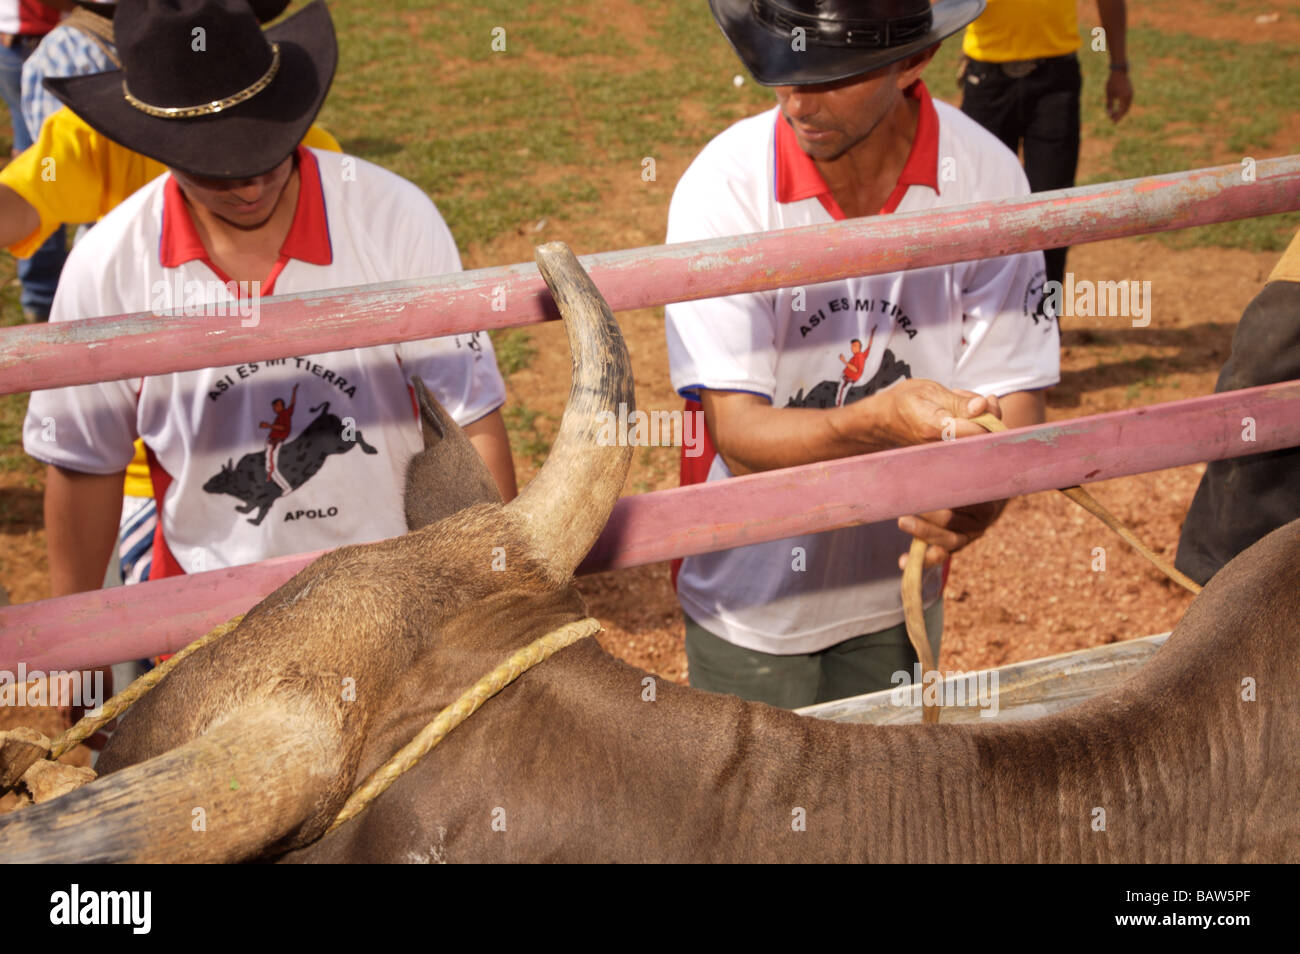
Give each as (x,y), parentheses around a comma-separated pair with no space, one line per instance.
(868,663)
(1052,137)
(992,99)
(719,666)
(11,90)
(39,275)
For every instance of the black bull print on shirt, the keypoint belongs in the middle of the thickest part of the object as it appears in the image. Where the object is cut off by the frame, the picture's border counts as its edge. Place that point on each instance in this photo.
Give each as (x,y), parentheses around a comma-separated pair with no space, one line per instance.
(298,461)
(823,394)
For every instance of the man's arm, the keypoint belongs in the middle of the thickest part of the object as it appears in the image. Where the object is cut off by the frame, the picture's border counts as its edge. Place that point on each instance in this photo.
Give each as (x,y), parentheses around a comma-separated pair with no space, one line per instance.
(488,435)
(82,513)
(947,531)
(1119,89)
(752,435)
(18,218)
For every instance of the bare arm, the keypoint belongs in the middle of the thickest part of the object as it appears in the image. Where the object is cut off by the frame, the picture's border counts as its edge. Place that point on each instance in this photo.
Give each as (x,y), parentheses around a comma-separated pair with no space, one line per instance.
(752,435)
(1119,89)
(488,435)
(82,512)
(18,218)
(947,531)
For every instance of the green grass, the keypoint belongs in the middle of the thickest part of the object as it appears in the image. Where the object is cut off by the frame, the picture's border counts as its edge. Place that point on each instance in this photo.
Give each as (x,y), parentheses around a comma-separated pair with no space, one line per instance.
(526,441)
(501,138)
(514,350)
(1198,102)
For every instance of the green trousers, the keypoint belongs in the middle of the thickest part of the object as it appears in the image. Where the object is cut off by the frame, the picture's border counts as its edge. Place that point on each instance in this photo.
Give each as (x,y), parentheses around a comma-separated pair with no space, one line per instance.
(858,665)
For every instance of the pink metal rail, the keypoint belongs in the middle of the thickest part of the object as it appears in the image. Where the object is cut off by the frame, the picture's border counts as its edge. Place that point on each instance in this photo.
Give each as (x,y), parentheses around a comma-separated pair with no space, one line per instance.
(105,626)
(130,346)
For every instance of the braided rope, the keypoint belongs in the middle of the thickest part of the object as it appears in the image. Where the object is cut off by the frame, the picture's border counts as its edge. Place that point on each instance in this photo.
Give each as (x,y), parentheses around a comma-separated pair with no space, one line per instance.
(453,715)
(912,606)
(123,700)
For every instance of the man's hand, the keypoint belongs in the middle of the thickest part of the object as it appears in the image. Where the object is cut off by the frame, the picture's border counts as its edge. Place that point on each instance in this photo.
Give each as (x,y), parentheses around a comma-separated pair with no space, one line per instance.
(947,531)
(917,411)
(1119,95)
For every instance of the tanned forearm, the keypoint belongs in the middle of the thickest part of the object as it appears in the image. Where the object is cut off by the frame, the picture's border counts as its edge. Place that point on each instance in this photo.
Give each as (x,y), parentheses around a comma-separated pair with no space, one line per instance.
(752,435)
(1114,20)
(18,218)
(488,435)
(82,512)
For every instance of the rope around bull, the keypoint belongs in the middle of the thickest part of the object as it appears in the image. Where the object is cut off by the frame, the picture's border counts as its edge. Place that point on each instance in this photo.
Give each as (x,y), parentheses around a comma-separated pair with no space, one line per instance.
(401,761)
(914,616)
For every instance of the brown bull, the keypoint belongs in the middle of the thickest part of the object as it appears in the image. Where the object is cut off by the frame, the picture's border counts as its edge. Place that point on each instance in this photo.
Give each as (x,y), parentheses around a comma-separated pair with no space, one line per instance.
(1194,759)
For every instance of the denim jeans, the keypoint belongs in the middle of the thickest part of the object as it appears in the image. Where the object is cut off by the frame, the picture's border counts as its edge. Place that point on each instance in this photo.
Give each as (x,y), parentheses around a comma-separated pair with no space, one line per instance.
(40,273)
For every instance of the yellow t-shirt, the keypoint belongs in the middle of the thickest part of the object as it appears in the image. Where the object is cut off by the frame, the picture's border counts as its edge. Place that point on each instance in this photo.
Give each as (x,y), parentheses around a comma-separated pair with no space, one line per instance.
(74,174)
(1022,30)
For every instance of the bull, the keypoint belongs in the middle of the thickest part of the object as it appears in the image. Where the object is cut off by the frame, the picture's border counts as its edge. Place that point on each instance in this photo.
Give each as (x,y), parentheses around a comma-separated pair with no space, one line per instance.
(578,761)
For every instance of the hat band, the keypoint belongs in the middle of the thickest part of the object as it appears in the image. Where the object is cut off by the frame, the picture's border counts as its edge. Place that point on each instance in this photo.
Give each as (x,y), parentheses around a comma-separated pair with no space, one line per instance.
(875,34)
(217,105)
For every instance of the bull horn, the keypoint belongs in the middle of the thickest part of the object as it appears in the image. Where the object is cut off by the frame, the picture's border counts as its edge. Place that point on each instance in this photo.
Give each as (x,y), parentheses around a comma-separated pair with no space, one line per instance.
(567,504)
(251,782)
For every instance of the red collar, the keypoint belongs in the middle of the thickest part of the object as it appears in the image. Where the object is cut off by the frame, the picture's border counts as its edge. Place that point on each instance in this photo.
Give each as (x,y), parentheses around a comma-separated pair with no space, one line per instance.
(798,178)
(308,239)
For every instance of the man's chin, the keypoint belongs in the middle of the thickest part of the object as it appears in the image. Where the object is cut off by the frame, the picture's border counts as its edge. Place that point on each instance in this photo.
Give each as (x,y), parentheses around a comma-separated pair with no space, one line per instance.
(247,223)
(823,151)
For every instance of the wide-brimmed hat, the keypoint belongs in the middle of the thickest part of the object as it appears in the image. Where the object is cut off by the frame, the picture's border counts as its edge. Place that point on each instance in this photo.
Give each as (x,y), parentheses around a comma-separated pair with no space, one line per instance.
(266,10)
(204,89)
(839,38)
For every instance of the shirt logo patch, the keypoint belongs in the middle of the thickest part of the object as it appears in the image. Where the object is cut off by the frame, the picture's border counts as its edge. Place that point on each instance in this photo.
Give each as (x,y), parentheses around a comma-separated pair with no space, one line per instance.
(847,390)
(262,477)
(1035,303)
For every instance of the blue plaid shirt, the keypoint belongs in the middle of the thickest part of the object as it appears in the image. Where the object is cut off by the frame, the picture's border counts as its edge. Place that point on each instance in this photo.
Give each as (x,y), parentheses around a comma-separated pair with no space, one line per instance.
(65,51)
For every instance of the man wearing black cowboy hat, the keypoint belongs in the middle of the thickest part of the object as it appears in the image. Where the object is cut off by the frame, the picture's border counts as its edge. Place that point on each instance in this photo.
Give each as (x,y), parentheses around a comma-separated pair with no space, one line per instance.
(224,106)
(854,133)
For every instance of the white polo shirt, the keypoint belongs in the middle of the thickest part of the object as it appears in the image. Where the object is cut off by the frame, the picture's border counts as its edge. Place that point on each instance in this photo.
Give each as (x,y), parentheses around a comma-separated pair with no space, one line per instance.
(974,325)
(352,426)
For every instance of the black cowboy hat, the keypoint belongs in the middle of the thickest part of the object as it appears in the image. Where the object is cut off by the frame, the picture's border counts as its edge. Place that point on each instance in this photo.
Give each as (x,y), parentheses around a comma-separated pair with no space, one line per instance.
(230,102)
(841,38)
(266,10)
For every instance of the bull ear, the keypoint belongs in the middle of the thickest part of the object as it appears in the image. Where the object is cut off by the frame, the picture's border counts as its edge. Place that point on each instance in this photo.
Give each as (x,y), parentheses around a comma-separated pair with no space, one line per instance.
(448,475)
(434,421)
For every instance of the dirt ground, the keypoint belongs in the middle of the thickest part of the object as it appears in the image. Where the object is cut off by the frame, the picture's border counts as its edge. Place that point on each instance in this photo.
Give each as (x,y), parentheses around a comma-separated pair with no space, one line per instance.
(1023,591)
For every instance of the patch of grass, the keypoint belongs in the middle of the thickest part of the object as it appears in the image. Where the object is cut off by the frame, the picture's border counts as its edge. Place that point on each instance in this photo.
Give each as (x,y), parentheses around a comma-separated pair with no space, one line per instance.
(514,350)
(1198,102)
(525,438)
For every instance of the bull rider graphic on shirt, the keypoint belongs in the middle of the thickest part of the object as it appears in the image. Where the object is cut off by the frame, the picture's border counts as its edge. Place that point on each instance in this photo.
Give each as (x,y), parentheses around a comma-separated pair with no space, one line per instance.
(851,387)
(285,464)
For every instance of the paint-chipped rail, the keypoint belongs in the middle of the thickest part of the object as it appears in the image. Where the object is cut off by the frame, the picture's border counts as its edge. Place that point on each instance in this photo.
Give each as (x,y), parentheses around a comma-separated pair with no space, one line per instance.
(105,626)
(131,346)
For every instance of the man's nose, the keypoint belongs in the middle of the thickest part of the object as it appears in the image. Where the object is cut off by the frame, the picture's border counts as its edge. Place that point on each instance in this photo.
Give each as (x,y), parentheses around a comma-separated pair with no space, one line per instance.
(796,103)
(248,190)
